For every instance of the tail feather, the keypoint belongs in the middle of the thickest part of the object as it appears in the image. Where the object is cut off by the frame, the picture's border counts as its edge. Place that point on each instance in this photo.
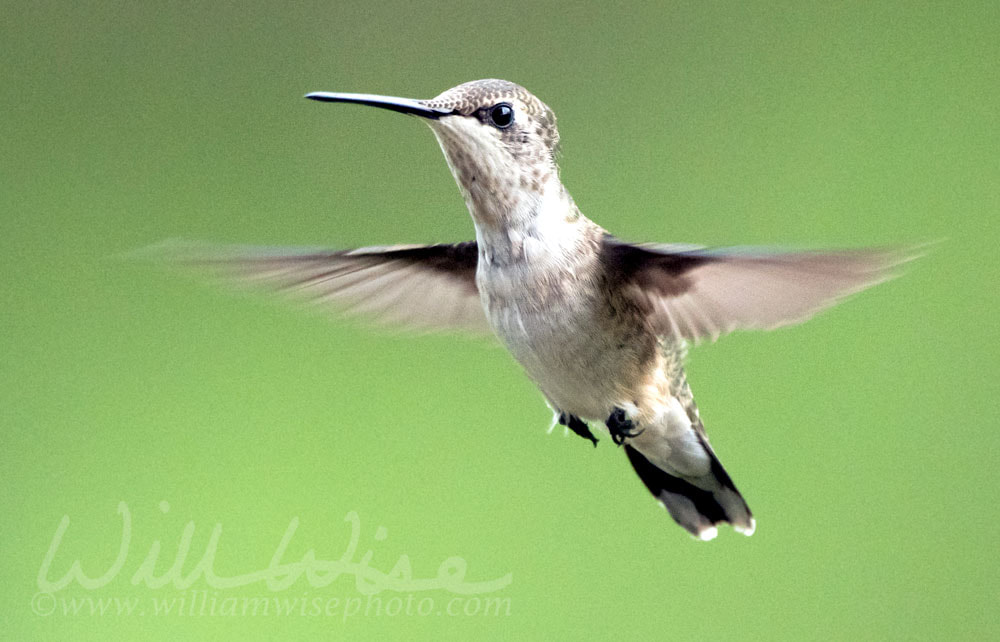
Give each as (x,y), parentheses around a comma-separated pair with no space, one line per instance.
(697,504)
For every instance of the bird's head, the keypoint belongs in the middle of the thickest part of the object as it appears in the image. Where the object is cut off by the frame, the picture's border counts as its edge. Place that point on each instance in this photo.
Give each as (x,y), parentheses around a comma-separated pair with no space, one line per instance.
(500,142)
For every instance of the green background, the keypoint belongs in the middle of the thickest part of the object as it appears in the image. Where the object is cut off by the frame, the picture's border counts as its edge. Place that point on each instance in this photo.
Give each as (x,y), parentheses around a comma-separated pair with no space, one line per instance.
(864,440)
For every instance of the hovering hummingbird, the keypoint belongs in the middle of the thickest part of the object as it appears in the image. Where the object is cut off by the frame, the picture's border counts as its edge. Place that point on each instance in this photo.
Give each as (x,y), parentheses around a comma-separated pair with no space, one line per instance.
(600,325)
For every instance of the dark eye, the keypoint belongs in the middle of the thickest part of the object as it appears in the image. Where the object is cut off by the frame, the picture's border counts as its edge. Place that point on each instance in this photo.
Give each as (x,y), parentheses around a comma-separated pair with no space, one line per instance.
(502,115)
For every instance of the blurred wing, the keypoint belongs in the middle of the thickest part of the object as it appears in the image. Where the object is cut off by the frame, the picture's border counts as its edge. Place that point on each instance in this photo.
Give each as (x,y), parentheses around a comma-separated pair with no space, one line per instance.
(692,293)
(420,286)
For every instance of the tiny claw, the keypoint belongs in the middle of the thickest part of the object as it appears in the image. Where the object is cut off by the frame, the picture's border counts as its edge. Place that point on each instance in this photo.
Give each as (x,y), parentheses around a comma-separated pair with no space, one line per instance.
(621,427)
(579,427)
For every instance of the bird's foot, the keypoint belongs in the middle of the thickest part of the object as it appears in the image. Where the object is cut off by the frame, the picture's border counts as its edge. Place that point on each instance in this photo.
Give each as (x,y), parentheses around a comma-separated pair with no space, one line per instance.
(621,427)
(575,424)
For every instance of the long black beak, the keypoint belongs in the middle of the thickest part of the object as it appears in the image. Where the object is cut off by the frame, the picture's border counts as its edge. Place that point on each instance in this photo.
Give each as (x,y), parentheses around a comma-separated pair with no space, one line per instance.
(402,105)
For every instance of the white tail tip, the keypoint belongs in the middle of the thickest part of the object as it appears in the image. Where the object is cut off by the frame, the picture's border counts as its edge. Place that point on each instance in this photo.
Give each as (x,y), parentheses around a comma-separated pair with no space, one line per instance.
(708,534)
(748,531)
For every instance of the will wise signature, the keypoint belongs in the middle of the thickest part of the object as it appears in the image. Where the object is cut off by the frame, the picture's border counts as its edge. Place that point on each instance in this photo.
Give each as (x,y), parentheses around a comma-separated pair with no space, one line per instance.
(278,575)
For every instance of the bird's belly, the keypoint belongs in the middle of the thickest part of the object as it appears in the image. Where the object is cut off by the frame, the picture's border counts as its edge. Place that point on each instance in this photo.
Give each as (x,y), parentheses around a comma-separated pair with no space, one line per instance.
(581,365)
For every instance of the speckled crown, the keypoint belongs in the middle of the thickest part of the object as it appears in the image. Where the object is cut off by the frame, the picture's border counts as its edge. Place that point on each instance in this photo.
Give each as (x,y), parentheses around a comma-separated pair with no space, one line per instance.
(470,97)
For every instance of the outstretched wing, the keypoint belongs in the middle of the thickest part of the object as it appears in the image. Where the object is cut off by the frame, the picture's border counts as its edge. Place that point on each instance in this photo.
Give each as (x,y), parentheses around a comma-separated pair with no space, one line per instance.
(420,286)
(693,293)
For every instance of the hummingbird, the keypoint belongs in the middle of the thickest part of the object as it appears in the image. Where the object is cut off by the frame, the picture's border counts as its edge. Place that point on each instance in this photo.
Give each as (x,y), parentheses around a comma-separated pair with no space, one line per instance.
(599,324)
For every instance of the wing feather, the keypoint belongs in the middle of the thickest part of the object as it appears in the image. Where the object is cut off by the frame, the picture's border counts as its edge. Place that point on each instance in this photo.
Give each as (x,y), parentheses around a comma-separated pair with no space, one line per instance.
(421,286)
(693,293)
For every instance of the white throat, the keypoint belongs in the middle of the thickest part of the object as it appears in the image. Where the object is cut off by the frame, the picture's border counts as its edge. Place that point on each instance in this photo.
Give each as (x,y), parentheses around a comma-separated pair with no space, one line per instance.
(540,227)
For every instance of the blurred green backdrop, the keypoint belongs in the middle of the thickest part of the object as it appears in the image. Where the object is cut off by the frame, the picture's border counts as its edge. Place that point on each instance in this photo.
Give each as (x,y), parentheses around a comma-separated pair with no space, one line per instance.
(864,441)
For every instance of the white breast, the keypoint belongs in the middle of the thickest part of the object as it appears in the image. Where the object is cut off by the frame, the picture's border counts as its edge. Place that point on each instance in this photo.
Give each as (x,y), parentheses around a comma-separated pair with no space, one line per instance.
(556,333)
